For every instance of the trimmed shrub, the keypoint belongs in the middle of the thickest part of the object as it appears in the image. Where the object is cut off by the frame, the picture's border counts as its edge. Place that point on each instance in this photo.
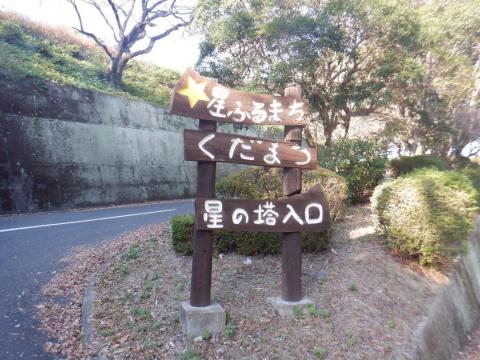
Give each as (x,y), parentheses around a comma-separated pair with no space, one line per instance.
(427,214)
(259,183)
(361,162)
(182,233)
(406,164)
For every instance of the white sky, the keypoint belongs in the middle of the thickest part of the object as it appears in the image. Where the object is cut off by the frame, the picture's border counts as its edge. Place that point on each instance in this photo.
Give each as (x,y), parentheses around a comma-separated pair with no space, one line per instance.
(177,51)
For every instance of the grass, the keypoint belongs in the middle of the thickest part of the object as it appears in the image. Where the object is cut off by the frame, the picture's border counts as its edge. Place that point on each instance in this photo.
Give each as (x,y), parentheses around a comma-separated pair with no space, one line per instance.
(353,287)
(133,252)
(32,50)
(351,341)
(319,352)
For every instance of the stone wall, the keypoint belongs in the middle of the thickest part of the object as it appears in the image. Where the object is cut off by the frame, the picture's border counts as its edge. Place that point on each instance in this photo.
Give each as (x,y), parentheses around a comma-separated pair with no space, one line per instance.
(63,147)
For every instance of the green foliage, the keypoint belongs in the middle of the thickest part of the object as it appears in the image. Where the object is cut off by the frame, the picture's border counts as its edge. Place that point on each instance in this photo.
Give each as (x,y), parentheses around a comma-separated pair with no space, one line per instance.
(190,354)
(182,233)
(473,173)
(142,313)
(133,252)
(207,335)
(272,44)
(319,352)
(28,51)
(352,287)
(426,214)
(229,330)
(11,32)
(259,183)
(360,162)
(406,164)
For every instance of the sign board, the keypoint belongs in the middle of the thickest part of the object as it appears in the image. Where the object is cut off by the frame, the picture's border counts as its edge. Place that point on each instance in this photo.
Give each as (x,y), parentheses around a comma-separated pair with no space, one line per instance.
(212,146)
(199,97)
(304,212)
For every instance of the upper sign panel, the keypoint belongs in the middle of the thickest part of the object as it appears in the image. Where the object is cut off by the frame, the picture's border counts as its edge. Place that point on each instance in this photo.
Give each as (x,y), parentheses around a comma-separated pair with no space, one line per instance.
(198,97)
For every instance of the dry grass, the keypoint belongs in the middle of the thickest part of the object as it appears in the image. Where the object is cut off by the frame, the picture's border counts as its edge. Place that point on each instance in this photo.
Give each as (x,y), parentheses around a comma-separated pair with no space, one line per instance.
(57,33)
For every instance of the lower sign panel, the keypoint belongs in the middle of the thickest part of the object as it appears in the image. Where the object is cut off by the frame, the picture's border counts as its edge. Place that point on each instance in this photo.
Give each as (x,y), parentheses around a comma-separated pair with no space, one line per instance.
(303,212)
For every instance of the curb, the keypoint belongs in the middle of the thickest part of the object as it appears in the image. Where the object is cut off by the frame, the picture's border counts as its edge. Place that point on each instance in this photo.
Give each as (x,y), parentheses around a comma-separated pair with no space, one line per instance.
(87,328)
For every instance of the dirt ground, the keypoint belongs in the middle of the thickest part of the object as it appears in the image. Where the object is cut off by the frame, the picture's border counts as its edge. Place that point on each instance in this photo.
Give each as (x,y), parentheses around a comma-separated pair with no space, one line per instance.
(367,302)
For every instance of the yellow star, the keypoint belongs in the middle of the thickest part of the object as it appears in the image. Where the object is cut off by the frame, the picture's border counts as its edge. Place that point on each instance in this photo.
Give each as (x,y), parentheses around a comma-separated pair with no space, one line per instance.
(194,91)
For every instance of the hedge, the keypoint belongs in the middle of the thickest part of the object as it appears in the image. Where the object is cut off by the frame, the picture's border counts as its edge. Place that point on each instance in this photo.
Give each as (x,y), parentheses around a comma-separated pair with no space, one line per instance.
(259,183)
(361,162)
(406,164)
(426,214)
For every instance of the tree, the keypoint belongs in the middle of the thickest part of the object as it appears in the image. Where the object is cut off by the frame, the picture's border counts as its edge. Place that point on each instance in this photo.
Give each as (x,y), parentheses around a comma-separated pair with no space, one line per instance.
(441,113)
(349,56)
(135,25)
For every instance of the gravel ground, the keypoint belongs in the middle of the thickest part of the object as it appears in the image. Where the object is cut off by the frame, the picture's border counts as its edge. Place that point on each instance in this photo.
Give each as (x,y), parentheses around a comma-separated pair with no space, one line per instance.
(367,303)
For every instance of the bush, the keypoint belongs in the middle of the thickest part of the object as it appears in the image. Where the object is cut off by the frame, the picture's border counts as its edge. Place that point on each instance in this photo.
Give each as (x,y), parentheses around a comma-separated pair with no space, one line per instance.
(473,173)
(258,183)
(426,214)
(182,230)
(407,164)
(360,162)
(10,32)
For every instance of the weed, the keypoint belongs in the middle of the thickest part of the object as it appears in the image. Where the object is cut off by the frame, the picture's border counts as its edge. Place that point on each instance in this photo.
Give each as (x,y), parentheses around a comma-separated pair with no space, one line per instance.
(122,269)
(189,354)
(297,311)
(127,297)
(352,287)
(312,309)
(142,313)
(207,335)
(324,313)
(107,332)
(229,331)
(392,324)
(351,341)
(319,352)
(155,276)
(147,291)
(181,287)
(133,252)
(153,239)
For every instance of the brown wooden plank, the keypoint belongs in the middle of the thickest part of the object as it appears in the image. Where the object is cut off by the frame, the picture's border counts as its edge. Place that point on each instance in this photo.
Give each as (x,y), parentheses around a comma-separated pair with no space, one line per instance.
(291,242)
(310,213)
(212,146)
(199,97)
(201,282)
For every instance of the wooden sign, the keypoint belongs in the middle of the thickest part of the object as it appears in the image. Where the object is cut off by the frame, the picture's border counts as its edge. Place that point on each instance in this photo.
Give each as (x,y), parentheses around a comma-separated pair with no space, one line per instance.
(198,97)
(212,146)
(304,212)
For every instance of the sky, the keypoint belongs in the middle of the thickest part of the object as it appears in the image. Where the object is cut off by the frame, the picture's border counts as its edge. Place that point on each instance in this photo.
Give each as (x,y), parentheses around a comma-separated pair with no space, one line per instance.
(177,51)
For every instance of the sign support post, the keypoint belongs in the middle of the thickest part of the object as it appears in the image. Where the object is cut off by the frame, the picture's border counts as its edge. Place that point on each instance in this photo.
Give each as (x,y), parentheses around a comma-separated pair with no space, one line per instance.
(203,239)
(291,247)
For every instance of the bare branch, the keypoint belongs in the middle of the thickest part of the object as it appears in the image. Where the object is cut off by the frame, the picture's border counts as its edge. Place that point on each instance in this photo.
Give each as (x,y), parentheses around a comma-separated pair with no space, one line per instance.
(97,40)
(154,39)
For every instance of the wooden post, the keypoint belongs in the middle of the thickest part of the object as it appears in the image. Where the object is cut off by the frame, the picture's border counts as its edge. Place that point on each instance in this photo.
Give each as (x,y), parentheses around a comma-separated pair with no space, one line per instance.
(201,284)
(291,247)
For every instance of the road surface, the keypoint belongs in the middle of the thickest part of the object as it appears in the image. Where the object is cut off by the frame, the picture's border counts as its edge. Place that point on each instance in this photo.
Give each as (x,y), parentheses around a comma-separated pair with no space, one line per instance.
(31,246)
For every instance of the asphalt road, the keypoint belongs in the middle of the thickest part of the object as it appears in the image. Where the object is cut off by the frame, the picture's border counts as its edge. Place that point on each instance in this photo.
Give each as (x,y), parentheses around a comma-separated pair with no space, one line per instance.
(31,246)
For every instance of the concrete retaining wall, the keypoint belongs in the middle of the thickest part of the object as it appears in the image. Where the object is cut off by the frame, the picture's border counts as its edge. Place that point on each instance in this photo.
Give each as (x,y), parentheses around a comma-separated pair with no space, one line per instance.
(65,147)
(454,312)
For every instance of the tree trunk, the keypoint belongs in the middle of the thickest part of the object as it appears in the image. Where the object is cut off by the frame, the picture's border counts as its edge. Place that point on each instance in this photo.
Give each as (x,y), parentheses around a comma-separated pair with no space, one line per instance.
(116,72)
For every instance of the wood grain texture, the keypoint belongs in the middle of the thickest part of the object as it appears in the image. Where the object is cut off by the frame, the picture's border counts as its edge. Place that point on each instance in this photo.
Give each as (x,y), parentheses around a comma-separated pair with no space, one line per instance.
(246,150)
(309,206)
(180,104)
(291,241)
(201,282)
